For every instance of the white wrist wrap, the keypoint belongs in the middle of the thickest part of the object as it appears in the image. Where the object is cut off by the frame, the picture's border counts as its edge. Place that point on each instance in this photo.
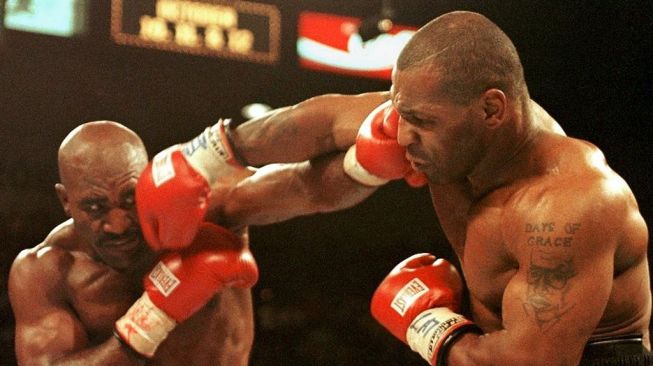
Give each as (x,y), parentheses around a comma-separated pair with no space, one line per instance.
(210,153)
(356,171)
(144,326)
(431,328)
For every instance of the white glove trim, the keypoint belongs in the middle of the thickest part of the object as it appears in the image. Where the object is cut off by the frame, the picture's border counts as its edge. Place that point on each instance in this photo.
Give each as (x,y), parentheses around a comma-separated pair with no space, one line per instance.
(428,331)
(356,171)
(210,153)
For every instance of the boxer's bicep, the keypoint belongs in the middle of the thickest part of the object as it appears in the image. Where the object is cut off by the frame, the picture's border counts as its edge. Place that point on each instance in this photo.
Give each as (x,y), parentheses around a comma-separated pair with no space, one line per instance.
(46,328)
(557,296)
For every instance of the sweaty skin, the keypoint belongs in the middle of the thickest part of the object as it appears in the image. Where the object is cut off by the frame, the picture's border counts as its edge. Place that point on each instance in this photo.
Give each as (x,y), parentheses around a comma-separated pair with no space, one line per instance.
(551,241)
(67,292)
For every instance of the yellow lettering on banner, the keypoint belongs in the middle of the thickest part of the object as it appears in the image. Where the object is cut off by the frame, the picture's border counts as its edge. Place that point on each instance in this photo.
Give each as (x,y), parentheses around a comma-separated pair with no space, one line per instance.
(214,37)
(202,14)
(226,17)
(167,10)
(154,29)
(186,34)
(240,40)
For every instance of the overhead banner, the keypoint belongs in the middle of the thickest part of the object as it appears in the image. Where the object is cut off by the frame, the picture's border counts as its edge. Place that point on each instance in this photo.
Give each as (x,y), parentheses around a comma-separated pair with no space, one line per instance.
(237,29)
(329,42)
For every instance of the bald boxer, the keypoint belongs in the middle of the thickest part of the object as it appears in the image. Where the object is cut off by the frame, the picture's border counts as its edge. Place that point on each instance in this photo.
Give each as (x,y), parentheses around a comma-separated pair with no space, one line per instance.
(550,239)
(93,276)
(94,292)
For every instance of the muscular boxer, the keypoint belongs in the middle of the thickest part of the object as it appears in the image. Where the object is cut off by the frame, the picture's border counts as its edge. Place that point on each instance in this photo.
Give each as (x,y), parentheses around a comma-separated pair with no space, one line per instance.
(79,296)
(93,276)
(550,239)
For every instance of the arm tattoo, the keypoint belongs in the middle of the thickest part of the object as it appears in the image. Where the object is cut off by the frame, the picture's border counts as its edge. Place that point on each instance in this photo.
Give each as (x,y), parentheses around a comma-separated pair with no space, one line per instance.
(549,278)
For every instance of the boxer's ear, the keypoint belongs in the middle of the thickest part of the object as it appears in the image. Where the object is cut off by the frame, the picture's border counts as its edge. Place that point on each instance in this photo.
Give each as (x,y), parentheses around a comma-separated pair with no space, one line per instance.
(63,197)
(494,104)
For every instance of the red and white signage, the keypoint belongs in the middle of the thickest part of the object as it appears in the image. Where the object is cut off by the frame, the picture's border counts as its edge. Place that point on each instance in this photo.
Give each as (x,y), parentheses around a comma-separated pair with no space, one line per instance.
(329,42)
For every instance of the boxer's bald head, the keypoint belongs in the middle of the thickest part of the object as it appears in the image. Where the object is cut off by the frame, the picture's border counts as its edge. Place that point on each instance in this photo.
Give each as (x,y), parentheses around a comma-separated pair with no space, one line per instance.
(99,165)
(470,53)
(99,147)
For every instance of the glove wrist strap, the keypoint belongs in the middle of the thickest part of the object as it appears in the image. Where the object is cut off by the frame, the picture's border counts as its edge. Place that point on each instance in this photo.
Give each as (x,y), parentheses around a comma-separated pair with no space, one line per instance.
(211,152)
(432,332)
(144,326)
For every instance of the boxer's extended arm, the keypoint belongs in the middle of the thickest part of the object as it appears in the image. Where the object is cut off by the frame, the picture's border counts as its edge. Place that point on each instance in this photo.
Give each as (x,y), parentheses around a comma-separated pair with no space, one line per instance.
(314,127)
(191,171)
(279,192)
(564,252)
(47,330)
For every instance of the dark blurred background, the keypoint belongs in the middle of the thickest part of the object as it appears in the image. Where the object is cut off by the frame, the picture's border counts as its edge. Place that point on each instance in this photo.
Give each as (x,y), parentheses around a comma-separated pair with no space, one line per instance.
(587,62)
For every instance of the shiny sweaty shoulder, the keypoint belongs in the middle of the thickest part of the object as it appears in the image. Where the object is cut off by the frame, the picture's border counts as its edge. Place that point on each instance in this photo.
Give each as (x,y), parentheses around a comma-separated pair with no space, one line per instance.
(572,226)
(95,293)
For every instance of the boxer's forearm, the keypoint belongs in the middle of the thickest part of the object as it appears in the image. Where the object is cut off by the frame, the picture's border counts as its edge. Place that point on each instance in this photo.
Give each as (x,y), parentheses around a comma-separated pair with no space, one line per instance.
(110,352)
(283,191)
(312,128)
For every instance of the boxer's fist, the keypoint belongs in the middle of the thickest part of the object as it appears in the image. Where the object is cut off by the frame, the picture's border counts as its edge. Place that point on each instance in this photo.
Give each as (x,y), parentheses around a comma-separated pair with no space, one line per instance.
(377,157)
(173,191)
(417,302)
(184,281)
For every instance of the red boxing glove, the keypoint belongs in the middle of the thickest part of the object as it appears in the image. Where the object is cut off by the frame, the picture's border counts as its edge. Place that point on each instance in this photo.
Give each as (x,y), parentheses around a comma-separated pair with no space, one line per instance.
(377,157)
(417,302)
(182,282)
(173,191)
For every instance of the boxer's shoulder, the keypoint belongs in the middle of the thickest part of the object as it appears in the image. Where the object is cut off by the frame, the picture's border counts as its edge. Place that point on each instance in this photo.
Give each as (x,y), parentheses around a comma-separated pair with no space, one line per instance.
(46,263)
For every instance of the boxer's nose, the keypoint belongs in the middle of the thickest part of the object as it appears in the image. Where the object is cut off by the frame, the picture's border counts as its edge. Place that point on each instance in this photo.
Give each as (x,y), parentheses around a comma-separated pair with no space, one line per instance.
(405,133)
(117,221)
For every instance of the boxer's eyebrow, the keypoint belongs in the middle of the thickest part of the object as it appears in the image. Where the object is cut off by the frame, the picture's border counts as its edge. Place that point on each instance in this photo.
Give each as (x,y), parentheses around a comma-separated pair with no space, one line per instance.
(93,201)
(413,119)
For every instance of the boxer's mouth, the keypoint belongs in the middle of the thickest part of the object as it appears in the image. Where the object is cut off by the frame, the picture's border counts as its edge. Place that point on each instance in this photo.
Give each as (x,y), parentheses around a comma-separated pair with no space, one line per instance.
(122,243)
(415,163)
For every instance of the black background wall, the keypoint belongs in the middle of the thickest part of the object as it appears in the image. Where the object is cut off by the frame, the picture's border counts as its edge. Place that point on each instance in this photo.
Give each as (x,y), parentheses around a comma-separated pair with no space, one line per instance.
(587,62)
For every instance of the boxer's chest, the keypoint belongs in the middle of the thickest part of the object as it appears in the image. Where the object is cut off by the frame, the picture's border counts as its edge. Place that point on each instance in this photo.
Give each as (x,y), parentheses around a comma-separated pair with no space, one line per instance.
(486,262)
(99,297)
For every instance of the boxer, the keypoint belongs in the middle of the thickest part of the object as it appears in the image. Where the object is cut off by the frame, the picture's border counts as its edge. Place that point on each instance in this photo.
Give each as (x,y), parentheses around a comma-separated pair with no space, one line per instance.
(93,293)
(550,240)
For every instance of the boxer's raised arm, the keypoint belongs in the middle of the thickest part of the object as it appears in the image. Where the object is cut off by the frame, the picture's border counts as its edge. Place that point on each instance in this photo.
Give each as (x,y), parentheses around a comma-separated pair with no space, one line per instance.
(316,126)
